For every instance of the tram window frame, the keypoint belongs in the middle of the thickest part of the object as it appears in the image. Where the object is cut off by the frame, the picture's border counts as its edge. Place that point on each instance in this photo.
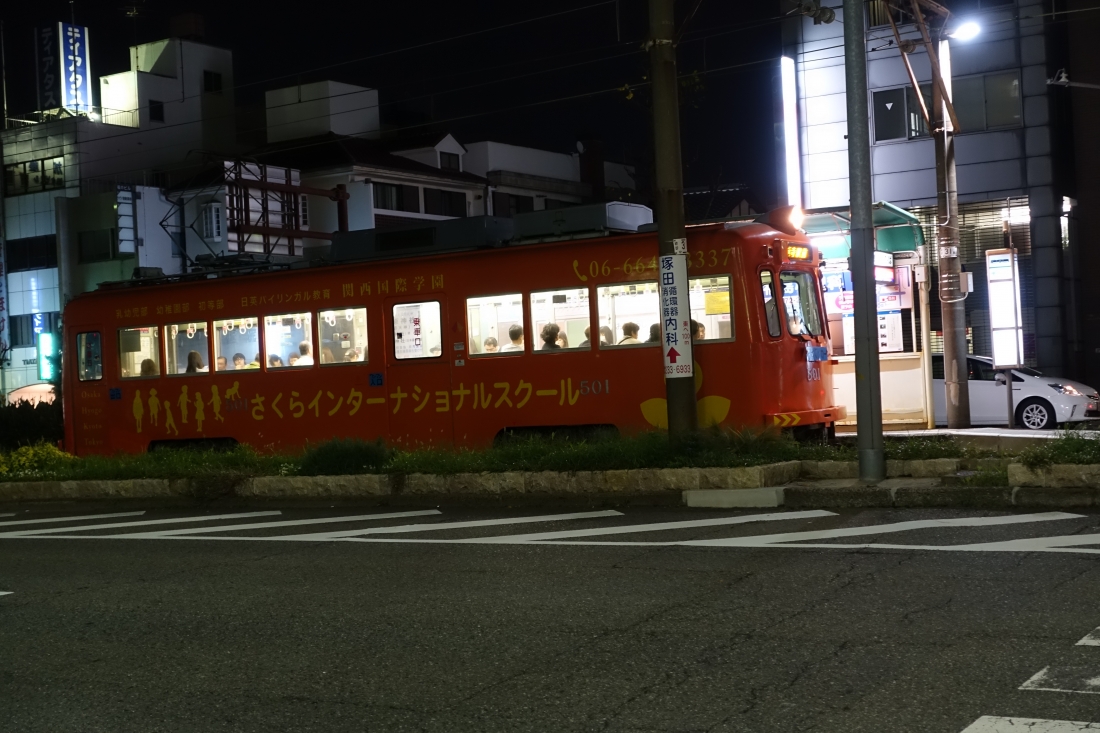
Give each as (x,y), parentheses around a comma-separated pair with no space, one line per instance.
(393,324)
(538,331)
(364,350)
(814,302)
(618,334)
(206,328)
(257,320)
(306,328)
(774,310)
(159,353)
(478,300)
(82,366)
(729,295)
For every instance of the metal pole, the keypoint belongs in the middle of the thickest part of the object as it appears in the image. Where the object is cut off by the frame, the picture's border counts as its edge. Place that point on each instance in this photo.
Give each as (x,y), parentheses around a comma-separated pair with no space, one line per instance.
(872,462)
(679,384)
(952,297)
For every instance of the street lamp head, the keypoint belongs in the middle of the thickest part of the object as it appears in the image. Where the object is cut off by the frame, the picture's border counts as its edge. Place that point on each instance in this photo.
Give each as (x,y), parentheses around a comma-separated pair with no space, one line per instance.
(965,31)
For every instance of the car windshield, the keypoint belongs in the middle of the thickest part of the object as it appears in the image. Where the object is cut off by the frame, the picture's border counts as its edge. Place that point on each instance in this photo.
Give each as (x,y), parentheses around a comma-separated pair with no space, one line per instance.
(1028,371)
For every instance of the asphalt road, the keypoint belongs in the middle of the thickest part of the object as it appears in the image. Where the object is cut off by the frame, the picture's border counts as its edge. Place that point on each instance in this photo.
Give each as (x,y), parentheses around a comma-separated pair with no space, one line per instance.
(199,624)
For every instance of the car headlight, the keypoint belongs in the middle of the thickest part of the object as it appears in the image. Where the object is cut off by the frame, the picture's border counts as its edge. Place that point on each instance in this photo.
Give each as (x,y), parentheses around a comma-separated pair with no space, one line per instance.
(1065,389)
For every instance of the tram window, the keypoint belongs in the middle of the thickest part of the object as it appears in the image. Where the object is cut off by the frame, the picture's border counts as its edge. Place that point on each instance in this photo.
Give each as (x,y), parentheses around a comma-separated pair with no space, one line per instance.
(236,344)
(771,307)
(188,349)
(139,352)
(710,308)
(492,322)
(344,335)
(288,339)
(417,331)
(89,364)
(630,314)
(800,303)
(559,320)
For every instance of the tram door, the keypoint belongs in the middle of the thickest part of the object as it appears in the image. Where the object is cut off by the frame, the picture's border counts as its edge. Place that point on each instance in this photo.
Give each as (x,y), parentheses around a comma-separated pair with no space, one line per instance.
(418,378)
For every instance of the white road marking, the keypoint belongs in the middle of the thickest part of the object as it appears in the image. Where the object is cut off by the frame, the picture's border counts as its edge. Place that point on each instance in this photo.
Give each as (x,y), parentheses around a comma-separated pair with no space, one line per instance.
(53,520)
(285,523)
(658,527)
(6,592)
(1065,679)
(990,724)
(7,514)
(177,520)
(1092,639)
(352,534)
(773,540)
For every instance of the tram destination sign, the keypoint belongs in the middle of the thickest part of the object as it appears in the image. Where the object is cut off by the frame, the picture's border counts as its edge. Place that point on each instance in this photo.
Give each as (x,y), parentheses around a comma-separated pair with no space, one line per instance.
(675,317)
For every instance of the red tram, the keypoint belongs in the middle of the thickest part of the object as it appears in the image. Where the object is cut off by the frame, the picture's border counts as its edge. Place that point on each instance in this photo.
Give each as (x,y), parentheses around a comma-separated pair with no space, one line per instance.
(449,349)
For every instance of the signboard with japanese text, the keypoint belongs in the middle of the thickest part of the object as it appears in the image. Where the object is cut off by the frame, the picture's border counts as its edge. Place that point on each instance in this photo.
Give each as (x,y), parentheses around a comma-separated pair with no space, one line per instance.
(48,71)
(76,86)
(675,317)
(1005,317)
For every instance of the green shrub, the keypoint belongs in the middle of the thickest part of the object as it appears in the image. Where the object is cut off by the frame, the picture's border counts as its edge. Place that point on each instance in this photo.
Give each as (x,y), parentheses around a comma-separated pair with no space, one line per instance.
(1070,447)
(26,423)
(342,457)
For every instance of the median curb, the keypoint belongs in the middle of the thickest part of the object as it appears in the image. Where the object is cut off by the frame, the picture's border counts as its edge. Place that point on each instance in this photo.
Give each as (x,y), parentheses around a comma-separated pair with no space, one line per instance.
(794,484)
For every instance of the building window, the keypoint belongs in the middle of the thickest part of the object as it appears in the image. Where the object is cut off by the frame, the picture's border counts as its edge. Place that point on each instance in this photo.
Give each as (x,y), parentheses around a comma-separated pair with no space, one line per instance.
(987,102)
(33,253)
(393,197)
(211,82)
(879,12)
(156,111)
(444,203)
(33,176)
(303,210)
(24,328)
(449,161)
(508,204)
(898,115)
(99,245)
(212,222)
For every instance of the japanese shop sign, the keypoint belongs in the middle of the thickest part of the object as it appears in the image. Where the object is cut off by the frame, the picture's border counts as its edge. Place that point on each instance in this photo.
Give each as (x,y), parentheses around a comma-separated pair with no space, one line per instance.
(675,317)
(76,68)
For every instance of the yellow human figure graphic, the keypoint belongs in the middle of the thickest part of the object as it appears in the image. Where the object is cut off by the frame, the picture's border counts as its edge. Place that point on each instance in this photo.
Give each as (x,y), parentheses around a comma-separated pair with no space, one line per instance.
(169,421)
(233,391)
(200,411)
(154,407)
(139,410)
(183,402)
(216,403)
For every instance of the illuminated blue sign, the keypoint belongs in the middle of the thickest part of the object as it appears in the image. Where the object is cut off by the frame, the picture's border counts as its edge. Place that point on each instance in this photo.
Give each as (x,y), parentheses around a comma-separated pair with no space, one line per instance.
(76,68)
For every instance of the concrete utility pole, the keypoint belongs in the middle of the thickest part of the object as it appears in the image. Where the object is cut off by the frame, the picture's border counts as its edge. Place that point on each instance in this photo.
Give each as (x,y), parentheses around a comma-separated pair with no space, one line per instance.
(669,204)
(872,461)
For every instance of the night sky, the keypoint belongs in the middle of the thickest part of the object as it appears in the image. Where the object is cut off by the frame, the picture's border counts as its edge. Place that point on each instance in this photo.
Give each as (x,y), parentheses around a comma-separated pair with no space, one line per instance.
(528,84)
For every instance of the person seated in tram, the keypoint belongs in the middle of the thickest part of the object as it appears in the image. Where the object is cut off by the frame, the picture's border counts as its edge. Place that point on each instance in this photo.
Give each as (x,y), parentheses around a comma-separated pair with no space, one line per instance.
(327,356)
(549,336)
(490,345)
(607,336)
(353,355)
(563,340)
(220,364)
(149,368)
(293,360)
(654,334)
(630,334)
(239,361)
(587,343)
(195,363)
(305,351)
(515,333)
(275,362)
(698,330)
(255,363)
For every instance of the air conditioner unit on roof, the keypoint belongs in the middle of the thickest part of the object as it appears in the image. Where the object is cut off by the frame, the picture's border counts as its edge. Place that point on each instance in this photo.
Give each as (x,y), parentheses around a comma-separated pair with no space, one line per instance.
(614,216)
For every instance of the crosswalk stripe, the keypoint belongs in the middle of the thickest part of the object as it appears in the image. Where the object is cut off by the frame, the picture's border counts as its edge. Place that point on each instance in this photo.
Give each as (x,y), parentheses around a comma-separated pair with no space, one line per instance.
(1065,679)
(772,539)
(990,724)
(1092,639)
(115,525)
(352,534)
(656,527)
(6,592)
(7,514)
(285,523)
(53,520)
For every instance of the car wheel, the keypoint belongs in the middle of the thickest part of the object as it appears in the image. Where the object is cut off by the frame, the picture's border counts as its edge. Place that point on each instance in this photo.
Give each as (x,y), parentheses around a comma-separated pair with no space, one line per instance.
(1035,414)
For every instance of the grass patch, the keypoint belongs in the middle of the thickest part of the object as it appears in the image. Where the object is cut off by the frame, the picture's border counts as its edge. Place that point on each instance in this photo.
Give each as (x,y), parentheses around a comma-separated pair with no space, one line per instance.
(1067,448)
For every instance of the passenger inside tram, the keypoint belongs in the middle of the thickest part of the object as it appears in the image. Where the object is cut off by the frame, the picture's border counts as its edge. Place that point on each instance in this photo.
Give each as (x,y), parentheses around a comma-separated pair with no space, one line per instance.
(549,336)
(515,335)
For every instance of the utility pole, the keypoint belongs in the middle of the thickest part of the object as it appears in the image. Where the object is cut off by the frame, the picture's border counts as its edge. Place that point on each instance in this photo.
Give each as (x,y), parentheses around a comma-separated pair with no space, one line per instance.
(872,461)
(671,235)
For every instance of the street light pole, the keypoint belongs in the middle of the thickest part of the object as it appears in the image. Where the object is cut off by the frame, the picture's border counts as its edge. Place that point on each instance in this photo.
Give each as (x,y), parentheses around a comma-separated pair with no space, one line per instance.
(872,462)
(671,234)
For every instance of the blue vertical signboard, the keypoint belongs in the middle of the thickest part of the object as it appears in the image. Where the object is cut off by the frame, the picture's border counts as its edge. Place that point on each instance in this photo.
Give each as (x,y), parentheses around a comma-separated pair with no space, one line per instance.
(76,90)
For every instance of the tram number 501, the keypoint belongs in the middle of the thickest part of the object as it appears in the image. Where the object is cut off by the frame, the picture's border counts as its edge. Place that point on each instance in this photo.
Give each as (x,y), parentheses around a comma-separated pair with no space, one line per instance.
(595,386)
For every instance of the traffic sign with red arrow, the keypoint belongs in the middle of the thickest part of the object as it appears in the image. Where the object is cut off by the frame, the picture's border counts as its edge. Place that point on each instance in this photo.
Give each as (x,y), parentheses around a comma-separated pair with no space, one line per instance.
(672,354)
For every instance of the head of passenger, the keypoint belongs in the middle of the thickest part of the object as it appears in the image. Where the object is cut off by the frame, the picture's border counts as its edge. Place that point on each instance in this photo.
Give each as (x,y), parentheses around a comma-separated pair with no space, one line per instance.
(194,362)
(222,365)
(654,334)
(239,361)
(607,336)
(698,330)
(630,333)
(274,361)
(293,359)
(563,340)
(352,355)
(255,363)
(327,356)
(490,345)
(305,349)
(549,336)
(148,368)
(515,334)
(587,339)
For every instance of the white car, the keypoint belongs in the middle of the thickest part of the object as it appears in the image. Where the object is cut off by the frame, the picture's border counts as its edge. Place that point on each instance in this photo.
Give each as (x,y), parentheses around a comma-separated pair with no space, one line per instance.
(1041,401)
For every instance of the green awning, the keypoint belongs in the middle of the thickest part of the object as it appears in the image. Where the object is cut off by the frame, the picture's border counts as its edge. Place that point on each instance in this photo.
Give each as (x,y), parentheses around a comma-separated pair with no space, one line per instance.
(896,230)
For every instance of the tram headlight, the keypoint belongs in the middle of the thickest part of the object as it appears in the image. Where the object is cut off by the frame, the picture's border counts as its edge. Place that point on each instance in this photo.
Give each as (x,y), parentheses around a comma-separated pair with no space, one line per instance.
(797,217)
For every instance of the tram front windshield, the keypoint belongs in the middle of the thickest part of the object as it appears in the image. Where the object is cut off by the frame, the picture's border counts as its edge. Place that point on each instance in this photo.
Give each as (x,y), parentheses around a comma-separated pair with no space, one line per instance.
(800,303)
